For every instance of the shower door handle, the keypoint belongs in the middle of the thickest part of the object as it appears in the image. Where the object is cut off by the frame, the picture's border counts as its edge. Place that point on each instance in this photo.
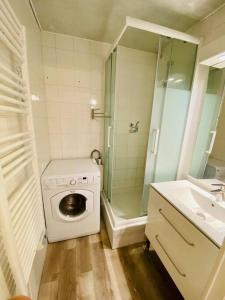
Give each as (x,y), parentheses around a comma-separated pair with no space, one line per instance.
(213,132)
(109,136)
(156,141)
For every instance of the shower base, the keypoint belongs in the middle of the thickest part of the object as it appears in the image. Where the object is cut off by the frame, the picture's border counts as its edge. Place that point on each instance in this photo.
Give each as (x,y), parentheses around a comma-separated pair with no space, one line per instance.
(126,202)
(121,231)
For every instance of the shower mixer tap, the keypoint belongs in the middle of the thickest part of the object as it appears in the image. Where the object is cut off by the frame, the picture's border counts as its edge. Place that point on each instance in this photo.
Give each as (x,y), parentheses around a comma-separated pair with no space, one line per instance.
(134,127)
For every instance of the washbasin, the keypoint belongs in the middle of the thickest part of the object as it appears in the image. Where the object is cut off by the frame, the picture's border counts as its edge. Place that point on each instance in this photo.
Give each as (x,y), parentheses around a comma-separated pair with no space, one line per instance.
(202,205)
(199,206)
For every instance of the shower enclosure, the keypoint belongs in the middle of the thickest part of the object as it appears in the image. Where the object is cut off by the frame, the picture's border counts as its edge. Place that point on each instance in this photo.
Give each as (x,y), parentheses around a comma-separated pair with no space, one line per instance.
(148,80)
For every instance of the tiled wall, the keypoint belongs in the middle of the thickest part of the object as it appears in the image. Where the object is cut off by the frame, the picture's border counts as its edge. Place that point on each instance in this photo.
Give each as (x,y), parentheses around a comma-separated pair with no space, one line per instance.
(74,74)
(135,75)
(35,66)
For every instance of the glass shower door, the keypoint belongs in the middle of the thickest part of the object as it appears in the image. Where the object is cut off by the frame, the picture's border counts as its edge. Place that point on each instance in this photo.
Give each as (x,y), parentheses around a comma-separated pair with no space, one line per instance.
(110,68)
(170,108)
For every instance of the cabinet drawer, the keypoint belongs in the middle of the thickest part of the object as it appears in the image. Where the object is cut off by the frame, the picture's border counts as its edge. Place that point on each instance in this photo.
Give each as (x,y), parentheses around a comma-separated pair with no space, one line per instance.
(187,253)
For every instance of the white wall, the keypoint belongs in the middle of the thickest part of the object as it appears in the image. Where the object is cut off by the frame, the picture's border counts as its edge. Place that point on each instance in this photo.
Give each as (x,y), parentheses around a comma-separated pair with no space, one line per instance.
(74,73)
(35,65)
(211,28)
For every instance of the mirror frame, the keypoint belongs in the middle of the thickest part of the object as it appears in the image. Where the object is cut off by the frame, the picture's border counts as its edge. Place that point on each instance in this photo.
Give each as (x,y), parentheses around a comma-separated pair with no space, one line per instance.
(208,53)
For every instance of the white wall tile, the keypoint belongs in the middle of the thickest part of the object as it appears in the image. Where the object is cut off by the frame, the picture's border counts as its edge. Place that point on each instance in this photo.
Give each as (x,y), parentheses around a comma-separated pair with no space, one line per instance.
(48,39)
(82,45)
(134,91)
(83,95)
(54,125)
(56,146)
(64,42)
(74,74)
(69,125)
(54,109)
(49,56)
(67,94)
(65,58)
(52,92)
(66,77)
(50,74)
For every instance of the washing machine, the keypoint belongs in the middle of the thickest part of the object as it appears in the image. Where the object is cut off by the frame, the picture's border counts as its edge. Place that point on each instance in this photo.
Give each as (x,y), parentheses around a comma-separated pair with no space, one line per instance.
(71,196)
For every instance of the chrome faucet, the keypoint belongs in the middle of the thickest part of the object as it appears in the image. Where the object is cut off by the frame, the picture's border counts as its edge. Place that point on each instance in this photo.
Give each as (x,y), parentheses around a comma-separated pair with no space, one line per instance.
(134,127)
(220,190)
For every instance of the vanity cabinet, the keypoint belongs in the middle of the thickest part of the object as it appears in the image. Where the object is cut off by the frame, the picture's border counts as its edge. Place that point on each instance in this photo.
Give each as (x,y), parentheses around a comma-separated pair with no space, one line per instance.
(187,254)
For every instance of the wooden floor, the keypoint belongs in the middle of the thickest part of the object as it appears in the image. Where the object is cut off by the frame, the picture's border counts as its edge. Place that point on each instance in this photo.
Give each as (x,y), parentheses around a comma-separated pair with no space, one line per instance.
(88,269)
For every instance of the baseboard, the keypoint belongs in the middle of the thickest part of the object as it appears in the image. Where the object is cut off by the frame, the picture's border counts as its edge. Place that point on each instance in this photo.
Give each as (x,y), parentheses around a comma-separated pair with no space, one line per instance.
(37,268)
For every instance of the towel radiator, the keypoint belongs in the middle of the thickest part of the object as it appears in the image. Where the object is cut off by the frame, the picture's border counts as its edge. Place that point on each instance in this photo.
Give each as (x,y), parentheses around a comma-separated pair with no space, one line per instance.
(21,212)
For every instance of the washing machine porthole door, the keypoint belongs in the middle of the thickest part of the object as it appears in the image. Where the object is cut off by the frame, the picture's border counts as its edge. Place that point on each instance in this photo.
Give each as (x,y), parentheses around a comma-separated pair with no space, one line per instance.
(73,205)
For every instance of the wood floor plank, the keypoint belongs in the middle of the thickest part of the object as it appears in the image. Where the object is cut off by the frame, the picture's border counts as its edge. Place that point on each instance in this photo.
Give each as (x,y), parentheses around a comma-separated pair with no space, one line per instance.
(83,253)
(67,277)
(102,283)
(146,276)
(94,238)
(54,261)
(88,269)
(70,244)
(118,276)
(86,286)
(49,290)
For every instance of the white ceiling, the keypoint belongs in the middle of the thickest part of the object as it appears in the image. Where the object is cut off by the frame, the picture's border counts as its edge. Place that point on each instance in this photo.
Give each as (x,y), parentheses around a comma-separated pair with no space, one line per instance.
(102,20)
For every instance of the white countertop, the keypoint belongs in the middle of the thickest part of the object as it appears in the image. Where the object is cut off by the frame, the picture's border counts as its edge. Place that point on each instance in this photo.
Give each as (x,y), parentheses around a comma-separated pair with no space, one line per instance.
(194,203)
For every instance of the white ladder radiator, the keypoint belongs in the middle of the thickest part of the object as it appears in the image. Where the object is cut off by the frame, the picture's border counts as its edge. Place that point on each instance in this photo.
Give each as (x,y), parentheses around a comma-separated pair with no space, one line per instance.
(21,212)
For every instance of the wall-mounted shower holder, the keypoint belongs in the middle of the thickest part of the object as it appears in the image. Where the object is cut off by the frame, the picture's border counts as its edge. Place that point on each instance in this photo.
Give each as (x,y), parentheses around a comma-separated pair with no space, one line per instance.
(95,115)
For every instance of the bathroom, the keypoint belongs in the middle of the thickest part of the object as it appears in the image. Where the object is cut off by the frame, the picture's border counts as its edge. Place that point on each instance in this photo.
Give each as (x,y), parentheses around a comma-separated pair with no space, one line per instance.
(112,158)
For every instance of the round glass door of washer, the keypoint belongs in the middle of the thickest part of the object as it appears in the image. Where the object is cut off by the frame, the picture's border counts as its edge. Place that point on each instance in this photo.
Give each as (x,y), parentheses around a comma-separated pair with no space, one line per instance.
(73,205)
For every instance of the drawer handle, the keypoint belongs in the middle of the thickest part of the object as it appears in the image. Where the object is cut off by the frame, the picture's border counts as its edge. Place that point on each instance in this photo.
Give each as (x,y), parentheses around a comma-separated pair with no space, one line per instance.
(181,235)
(182,274)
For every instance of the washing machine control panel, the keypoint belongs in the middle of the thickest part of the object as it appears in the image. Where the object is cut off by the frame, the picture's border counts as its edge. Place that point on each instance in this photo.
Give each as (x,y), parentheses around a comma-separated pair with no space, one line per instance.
(69,181)
(73,181)
(79,180)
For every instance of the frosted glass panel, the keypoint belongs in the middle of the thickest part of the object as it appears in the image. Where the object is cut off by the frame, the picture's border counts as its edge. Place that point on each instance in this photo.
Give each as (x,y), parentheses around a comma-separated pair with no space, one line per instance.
(135,74)
(175,109)
(171,102)
(171,137)
(110,68)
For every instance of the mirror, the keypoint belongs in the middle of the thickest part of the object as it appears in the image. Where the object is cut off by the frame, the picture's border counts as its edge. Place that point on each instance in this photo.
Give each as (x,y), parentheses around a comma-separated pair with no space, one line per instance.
(208,159)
